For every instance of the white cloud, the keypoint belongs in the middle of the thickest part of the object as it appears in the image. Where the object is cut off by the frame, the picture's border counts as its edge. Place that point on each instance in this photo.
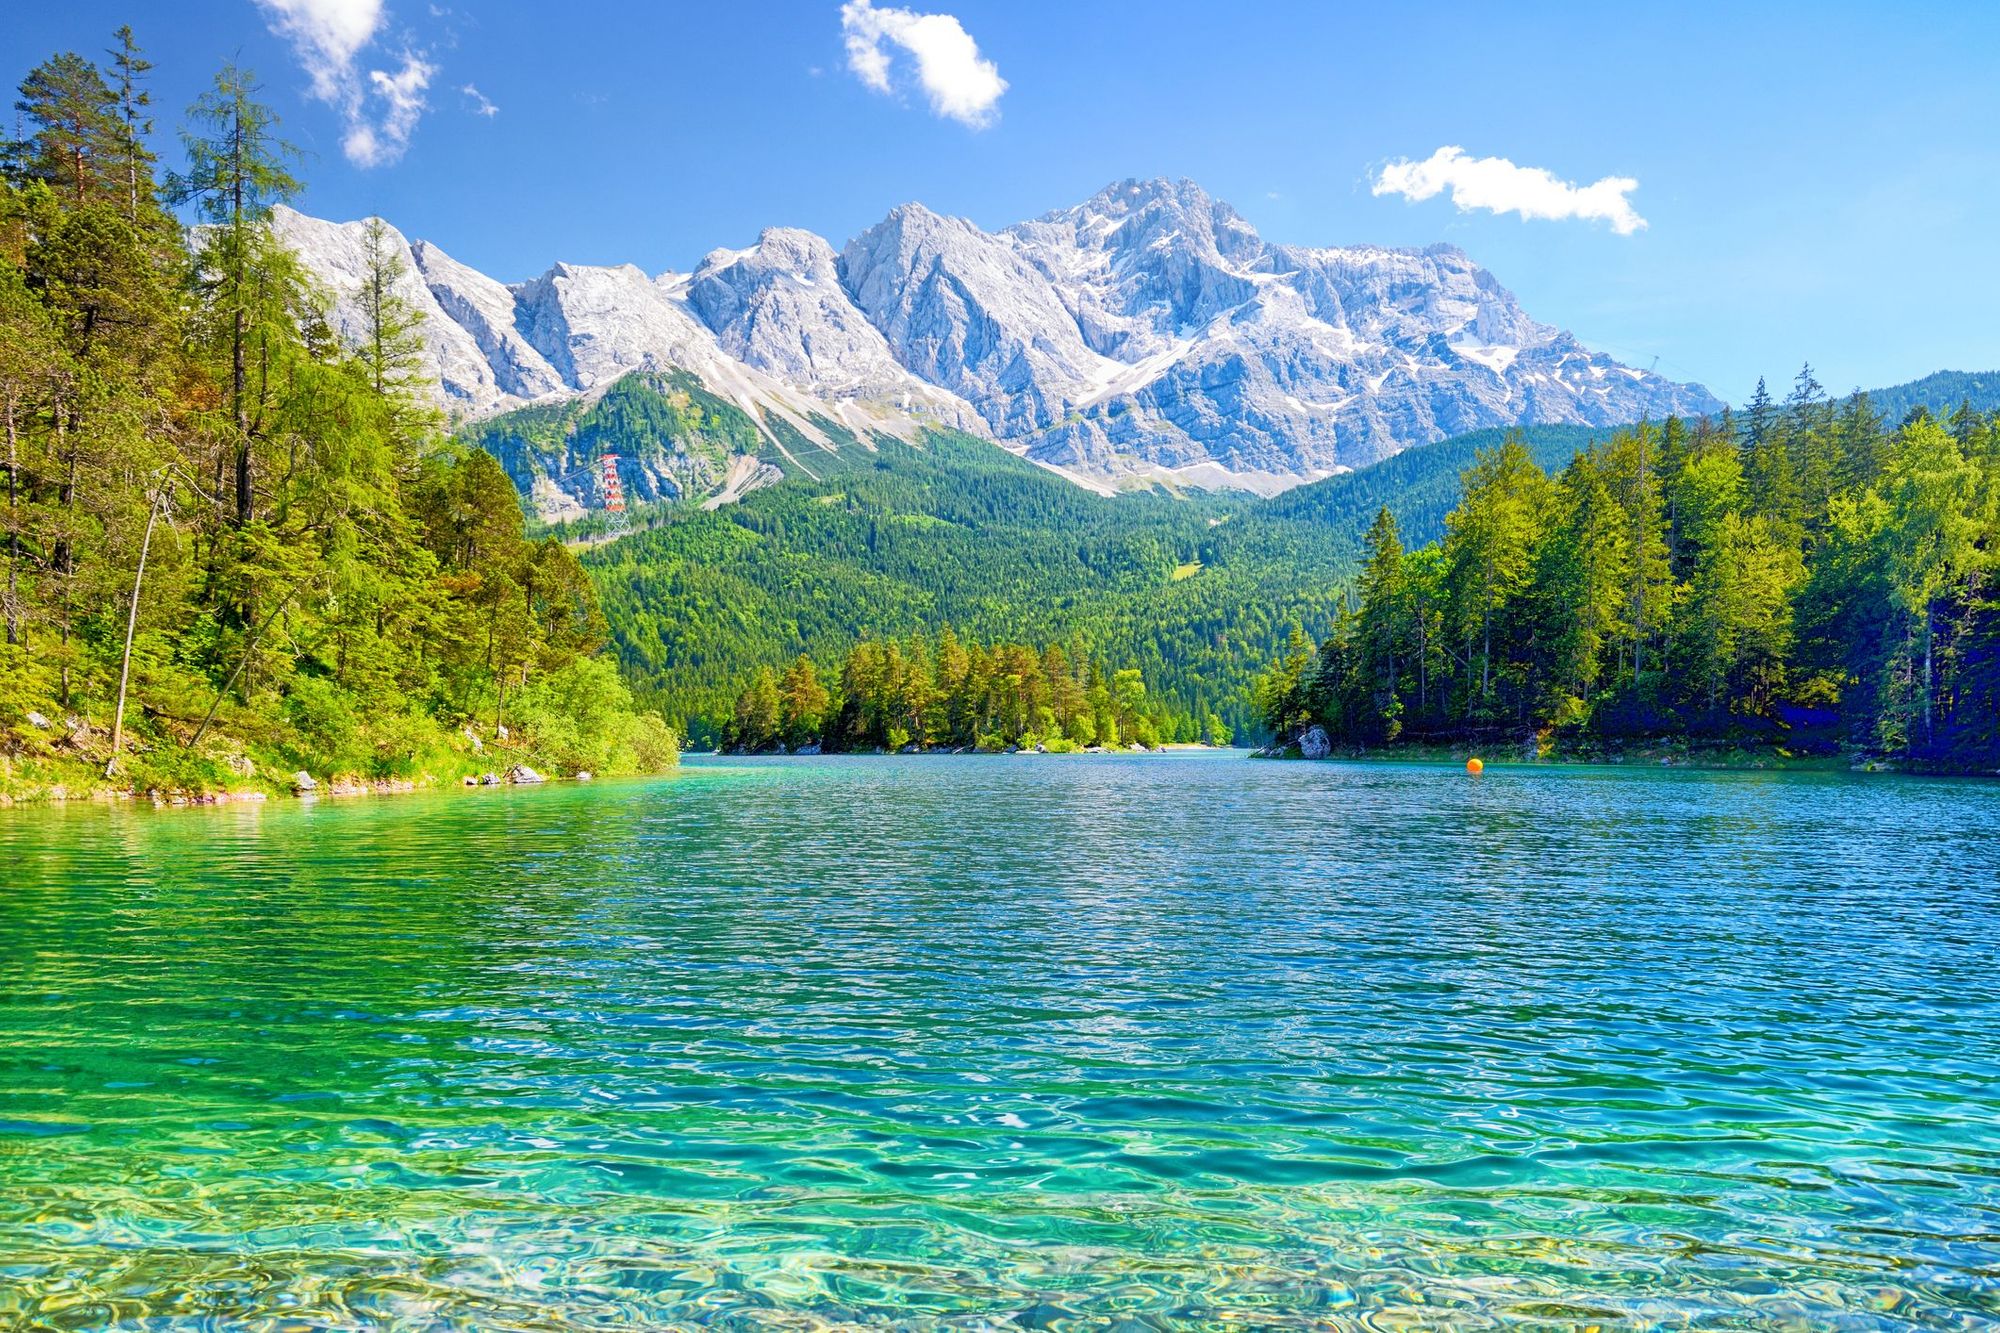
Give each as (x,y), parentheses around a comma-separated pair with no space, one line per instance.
(1497,185)
(327,35)
(960,82)
(373,142)
(381,109)
(481,105)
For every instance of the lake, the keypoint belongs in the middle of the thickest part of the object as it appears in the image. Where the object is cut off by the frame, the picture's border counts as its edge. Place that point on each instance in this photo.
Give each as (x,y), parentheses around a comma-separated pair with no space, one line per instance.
(1131,1042)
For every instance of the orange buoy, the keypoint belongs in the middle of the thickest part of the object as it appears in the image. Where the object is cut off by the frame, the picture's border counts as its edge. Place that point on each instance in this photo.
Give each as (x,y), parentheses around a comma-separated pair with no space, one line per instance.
(1474,767)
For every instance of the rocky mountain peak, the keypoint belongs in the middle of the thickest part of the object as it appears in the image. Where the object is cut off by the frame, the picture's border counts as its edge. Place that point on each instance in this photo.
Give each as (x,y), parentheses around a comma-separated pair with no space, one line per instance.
(1146,332)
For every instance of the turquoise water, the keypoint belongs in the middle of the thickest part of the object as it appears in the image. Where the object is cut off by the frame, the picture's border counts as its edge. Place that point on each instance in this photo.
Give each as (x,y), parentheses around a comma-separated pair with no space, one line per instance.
(1150,1042)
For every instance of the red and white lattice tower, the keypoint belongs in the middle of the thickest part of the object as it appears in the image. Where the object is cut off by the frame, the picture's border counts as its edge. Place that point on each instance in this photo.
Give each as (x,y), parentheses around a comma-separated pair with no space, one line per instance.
(614,490)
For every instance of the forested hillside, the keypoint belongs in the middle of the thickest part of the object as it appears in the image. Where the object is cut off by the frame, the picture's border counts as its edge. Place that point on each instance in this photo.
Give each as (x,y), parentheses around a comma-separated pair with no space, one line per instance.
(235,549)
(1195,591)
(1419,486)
(1805,575)
(1940,394)
(959,533)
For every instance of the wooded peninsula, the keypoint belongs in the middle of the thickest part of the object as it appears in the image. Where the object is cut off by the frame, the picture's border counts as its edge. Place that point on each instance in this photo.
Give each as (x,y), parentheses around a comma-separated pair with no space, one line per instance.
(1803,577)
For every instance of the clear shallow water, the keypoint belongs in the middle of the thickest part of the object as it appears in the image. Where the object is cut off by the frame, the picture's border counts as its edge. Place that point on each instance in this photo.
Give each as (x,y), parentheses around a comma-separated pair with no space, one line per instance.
(1149,1042)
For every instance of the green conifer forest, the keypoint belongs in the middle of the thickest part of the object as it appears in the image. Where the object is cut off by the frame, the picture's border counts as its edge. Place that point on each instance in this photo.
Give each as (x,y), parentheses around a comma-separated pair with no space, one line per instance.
(234,548)
(1803,576)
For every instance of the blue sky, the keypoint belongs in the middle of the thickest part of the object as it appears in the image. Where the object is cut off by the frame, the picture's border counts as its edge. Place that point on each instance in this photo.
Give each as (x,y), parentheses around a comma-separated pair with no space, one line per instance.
(1817,182)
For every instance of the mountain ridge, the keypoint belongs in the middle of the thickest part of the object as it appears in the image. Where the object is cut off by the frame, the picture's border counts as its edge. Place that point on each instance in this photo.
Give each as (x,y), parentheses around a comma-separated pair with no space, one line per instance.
(1145,334)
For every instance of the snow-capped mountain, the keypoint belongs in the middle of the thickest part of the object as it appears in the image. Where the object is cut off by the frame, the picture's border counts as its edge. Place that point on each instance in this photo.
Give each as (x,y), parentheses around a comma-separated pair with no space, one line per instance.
(578,328)
(1148,332)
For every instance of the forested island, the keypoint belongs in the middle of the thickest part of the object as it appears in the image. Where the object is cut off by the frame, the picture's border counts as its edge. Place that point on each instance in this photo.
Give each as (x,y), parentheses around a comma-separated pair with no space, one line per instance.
(236,549)
(941,694)
(1802,578)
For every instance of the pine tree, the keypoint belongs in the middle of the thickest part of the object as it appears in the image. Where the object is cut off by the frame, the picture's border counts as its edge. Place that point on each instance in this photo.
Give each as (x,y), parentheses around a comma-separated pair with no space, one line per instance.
(1863,445)
(75,144)
(1815,456)
(1582,587)
(1767,464)
(759,712)
(802,702)
(1931,544)
(1632,469)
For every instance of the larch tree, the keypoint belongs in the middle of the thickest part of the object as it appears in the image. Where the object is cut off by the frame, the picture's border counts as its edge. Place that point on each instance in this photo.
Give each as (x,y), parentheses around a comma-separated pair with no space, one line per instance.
(133,103)
(237,173)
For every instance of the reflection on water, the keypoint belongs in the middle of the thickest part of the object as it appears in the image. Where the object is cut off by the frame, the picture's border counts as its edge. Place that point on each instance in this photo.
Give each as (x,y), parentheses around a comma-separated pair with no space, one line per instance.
(1148,1042)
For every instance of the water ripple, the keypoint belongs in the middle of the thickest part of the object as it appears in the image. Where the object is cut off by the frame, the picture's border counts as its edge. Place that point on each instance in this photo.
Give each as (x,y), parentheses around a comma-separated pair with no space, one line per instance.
(1114,1043)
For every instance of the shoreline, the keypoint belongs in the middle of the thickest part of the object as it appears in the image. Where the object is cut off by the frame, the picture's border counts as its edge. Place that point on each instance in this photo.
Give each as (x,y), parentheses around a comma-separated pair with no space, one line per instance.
(1648,754)
(963,752)
(91,787)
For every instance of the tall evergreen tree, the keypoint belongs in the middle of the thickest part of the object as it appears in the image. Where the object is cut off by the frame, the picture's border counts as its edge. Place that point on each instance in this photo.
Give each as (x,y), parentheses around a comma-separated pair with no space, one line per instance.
(1490,541)
(392,343)
(74,143)
(238,170)
(135,122)
(1385,631)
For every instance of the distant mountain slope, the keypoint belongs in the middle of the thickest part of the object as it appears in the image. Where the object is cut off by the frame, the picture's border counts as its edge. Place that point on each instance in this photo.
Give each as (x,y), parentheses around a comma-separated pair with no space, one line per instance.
(1146,334)
(1419,486)
(1941,393)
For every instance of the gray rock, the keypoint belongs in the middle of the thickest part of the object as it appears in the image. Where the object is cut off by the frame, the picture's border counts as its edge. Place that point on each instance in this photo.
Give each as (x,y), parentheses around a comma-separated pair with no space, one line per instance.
(522,775)
(40,723)
(969,312)
(779,307)
(583,775)
(1314,743)
(302,781)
